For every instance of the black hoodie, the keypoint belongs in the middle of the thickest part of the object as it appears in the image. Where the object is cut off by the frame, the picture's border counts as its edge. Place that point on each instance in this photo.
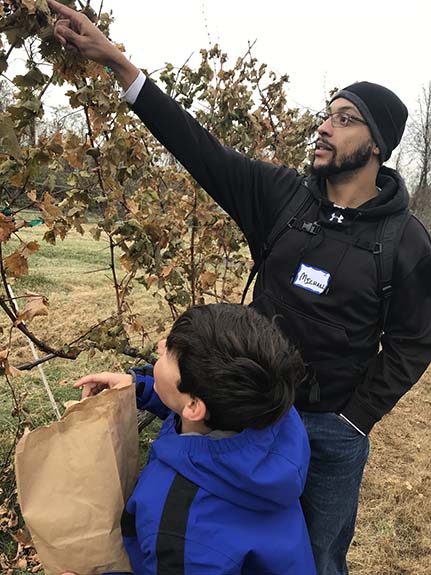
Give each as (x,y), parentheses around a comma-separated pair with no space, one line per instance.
(335,323)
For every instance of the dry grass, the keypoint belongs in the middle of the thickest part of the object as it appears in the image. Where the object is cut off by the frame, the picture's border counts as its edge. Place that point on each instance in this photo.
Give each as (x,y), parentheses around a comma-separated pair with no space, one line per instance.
(75,277)
(394,525)
(393,535)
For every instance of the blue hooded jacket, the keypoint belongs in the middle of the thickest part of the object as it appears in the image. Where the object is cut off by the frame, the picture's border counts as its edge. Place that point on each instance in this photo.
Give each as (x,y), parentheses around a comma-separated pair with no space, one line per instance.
(205,506)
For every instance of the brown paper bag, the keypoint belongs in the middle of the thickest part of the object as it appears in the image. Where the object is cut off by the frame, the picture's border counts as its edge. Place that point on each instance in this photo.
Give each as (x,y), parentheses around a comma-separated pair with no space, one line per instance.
(74,478)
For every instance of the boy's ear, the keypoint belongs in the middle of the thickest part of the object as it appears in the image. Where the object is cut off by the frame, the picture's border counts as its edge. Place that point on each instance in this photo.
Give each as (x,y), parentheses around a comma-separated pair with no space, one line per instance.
(194,410)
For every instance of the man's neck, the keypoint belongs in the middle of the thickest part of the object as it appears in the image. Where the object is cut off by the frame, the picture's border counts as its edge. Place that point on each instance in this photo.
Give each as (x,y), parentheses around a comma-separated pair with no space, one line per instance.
(351,189)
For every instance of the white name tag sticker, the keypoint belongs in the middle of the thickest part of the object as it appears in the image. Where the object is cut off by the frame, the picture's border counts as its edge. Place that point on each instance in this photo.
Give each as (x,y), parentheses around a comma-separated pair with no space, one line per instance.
(312,279)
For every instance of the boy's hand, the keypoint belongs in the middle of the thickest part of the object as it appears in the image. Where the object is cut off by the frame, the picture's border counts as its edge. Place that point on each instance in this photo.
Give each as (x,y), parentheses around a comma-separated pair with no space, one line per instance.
(97,382)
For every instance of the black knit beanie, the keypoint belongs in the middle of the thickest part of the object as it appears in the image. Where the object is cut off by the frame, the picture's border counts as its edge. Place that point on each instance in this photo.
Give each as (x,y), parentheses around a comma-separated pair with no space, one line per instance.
(383,111)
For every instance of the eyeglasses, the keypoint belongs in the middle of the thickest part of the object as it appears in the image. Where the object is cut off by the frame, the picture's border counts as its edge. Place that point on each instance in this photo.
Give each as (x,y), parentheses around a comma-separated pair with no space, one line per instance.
(339,119)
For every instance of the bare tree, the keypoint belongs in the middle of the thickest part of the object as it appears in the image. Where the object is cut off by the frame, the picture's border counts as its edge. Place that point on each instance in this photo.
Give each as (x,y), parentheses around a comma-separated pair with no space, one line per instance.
(6,95)
(420,143)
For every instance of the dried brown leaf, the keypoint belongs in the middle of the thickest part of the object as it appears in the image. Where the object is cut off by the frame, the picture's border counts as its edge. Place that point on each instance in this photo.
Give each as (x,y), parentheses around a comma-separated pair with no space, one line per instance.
(152,280)
(166,271)
(8,139)
(9,369)
(26,249)
(127,262)
(7,227)
(208,279)
(30,5)
(37,305)
(49,209)
(16,264)
(22,537)
(32,195)
(20,563)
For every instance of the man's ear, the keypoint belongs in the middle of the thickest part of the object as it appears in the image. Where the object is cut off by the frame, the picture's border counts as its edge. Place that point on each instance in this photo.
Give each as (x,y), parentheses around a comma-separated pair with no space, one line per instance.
(194,410)
(376,150)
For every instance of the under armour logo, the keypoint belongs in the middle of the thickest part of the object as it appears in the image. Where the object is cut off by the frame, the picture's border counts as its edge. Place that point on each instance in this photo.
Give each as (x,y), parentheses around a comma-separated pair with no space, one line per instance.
(336,217)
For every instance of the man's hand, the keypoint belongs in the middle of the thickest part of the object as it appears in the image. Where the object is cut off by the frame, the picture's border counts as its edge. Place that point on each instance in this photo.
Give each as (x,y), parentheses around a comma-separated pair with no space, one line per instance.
(97,382)
(76,33)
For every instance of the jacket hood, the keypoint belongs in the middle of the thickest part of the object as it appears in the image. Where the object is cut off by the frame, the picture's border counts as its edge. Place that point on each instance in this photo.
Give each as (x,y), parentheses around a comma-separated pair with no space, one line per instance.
(256,469)
(392,197)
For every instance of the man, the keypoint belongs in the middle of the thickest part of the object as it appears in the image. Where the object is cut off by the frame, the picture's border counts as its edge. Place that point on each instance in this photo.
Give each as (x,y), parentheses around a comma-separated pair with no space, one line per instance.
(323,278)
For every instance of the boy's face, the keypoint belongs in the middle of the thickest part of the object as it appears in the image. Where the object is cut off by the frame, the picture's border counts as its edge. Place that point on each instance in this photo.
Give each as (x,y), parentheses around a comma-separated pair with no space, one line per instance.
(167,378)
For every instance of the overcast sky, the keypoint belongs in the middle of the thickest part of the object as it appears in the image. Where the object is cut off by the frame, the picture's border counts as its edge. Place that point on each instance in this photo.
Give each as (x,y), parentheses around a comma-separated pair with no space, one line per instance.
(319,44)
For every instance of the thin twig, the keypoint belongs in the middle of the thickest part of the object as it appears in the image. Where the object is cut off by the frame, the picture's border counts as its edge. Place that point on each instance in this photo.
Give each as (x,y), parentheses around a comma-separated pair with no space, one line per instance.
(265,103)
(6,288)
(42,374)
(180,69)
(8,53)
(20,192)
(92,142)
(15,400)
(193,274)
(248,53)
(27,366)
(95,271)
(114,276)
(100,10)
(125,285)
(93,327)
(15,297)
(45,88)
(39,343)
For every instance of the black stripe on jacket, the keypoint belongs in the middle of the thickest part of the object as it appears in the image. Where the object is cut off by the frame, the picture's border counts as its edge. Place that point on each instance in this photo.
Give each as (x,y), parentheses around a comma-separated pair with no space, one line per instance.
(173,524)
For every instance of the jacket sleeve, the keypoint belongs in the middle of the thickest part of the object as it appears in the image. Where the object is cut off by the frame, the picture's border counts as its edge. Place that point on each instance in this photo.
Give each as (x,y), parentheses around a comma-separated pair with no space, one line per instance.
(405,353)
(250,191)
(146,397)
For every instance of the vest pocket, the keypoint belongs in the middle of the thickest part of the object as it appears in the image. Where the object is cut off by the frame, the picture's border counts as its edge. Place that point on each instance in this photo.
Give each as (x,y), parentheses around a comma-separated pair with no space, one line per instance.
(318,340)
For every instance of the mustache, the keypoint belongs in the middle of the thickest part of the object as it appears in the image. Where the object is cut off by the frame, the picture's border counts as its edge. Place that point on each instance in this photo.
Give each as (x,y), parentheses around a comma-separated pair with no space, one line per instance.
(322,142)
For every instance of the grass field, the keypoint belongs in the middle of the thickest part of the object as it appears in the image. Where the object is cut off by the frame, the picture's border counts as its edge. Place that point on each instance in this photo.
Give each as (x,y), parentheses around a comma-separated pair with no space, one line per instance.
(393,534)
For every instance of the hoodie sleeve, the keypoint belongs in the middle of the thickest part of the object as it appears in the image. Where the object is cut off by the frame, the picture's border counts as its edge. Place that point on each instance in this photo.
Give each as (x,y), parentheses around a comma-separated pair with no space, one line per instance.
(250,191)
(405,352)
(146,397)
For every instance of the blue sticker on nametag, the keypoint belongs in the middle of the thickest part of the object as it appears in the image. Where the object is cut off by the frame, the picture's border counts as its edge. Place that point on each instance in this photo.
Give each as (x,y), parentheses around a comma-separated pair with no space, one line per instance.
(312,279)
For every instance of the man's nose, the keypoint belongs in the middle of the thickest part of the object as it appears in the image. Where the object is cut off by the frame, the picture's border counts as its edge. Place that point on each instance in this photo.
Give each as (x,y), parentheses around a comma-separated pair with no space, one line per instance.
(325,128)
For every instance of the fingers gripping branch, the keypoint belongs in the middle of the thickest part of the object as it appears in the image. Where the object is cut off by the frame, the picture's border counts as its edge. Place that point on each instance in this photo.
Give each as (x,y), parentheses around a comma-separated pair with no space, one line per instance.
(77,33)
(75,30)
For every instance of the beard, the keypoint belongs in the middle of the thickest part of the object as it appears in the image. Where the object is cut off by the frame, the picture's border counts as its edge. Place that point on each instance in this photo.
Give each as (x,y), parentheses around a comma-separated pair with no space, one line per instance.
(358,159)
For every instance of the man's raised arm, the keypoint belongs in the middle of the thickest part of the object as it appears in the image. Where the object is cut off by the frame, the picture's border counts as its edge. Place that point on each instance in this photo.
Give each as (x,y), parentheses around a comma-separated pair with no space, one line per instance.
(239,185)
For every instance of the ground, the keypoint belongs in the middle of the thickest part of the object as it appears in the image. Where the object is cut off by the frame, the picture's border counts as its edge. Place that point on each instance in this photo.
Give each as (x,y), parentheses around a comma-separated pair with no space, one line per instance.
(393,535)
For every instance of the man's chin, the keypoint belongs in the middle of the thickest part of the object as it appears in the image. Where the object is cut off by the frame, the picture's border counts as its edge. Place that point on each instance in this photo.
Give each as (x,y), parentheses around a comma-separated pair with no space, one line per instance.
(320,168)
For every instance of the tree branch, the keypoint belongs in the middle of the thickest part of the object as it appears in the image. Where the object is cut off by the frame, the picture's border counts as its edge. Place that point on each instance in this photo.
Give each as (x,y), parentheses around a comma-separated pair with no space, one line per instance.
(114,276)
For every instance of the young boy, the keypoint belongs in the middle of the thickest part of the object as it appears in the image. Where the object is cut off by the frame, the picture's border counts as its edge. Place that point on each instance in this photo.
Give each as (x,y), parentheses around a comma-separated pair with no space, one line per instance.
(220,493)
